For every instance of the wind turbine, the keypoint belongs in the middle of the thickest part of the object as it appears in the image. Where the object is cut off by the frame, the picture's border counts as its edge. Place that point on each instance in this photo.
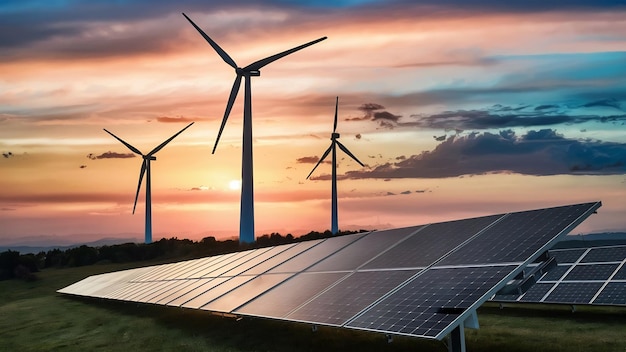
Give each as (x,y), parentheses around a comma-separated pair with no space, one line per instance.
(333,147)
(145,169)
(246,222)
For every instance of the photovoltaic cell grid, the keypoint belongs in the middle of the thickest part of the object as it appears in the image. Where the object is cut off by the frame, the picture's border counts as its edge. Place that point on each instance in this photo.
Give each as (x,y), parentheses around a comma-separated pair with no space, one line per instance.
(418,281)
(592,275)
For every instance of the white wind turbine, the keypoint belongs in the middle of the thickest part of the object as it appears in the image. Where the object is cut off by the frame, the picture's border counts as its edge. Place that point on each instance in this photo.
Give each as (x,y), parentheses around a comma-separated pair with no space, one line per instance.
(145,169)
(333,147)
(246,221)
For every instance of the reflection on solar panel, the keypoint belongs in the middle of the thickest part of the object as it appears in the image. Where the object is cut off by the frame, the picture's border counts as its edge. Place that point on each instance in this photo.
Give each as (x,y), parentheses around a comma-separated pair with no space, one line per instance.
(425,281)
(591,275)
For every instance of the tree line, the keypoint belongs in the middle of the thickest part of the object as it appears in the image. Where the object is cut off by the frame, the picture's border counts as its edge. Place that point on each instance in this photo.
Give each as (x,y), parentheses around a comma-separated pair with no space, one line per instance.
(14,265)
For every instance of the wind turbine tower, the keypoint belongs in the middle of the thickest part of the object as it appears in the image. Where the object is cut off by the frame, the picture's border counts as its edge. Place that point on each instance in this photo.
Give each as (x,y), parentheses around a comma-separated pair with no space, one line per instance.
(246,221)
(145,169)
(333,148)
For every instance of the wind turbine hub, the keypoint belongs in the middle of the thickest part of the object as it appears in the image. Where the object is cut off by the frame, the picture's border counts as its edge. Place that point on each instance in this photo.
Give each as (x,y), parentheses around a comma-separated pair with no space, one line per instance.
(334,136)
(149,157)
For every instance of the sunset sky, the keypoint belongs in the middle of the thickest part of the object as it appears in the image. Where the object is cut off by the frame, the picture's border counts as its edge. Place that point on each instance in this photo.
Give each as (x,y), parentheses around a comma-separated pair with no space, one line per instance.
(458,109)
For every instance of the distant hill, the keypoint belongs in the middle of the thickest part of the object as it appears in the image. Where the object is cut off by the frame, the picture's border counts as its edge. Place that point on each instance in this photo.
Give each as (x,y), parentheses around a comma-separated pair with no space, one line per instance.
(592,240)
(24,249)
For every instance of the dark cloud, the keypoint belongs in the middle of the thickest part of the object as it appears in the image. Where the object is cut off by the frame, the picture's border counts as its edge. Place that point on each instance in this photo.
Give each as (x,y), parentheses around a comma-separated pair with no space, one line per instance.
(83,166)
(406,192)
(494,118)
(308,160)
(166,119)
(111,155)
(358,136)
(372,111)
(546,107)
(611,103)
(541,152)
(385,115)
(369,108)
(440,138)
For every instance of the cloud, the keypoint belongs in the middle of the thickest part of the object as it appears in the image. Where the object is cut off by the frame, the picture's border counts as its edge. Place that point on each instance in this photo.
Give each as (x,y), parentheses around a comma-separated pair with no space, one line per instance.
(308,160)
(504,117)
(83,166)
(376,112)
(542,152)
(7,155)
(612,103)
(167,119)
(111,155)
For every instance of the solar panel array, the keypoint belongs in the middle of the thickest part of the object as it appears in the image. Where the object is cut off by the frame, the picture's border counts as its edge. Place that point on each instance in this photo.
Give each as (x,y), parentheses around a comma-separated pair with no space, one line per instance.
(419,281)
(593,275)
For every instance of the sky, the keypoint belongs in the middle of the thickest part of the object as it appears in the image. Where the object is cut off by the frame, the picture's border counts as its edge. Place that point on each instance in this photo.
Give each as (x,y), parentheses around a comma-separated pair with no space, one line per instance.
(457,109)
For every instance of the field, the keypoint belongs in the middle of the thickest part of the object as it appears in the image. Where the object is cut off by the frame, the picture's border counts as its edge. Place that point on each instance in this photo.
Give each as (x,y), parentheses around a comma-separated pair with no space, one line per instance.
(33,317)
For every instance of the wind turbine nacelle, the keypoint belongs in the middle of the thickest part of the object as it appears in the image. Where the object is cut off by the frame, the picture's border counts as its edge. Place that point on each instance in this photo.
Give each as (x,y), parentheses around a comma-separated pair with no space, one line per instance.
(149,157)
(334,135)
(254,73)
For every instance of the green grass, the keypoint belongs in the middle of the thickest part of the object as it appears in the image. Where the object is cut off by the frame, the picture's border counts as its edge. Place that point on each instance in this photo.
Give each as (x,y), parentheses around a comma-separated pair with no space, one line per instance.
(33,317)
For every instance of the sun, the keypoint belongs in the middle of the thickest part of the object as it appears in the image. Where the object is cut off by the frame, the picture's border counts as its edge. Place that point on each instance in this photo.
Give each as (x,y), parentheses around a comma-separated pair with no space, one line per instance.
(234,184)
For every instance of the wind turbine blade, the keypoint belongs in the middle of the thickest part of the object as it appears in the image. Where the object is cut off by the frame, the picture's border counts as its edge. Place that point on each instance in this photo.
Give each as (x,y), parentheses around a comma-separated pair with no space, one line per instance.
(336,105)
(133,149)
(160,146)
(258,64)
(216,47)
(143,171)
(229,106)
(345,150)
(320,161)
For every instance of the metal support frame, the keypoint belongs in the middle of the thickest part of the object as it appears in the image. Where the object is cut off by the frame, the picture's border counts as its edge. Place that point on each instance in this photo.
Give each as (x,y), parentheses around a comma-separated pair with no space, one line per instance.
(456,340)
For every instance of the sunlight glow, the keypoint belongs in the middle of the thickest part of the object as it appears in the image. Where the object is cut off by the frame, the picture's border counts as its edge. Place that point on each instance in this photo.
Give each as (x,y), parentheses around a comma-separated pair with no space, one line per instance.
(234,185)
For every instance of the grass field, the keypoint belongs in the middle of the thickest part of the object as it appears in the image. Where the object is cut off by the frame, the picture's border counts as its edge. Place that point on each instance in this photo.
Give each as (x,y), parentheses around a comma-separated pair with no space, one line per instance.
(33,317)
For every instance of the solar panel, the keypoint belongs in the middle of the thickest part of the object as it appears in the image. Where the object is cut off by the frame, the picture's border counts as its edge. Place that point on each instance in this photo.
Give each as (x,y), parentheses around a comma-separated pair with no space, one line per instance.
(573,292)
(350,296)
(199,287)
(591,272)
(591,275)
(536,293)
(621,273)
(359,252)
(556,273)
(294,292)
(246,292)
(315,254)
(612,294)
(517,236)
(431,301)
(429,243)
(424,281)
(605,254)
